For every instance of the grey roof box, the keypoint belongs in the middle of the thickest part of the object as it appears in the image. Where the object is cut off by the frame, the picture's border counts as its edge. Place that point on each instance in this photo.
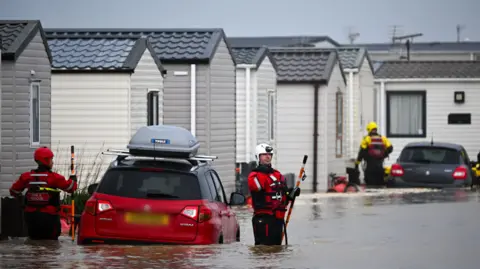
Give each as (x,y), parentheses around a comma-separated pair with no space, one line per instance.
(164,141)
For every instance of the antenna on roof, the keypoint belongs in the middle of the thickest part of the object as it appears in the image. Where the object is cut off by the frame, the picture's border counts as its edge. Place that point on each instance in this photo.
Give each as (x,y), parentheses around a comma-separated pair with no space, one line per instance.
(460,28)
(408,43)
(352,35)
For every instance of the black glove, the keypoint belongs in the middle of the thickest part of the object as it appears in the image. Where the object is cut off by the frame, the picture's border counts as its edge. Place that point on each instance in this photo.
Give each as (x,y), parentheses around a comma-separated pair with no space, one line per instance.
(73,177)
(356,166)
(293,193)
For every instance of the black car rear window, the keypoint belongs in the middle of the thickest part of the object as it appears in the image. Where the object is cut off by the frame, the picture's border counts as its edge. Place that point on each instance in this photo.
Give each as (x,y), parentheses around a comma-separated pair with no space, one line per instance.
(147,184)
(437,155)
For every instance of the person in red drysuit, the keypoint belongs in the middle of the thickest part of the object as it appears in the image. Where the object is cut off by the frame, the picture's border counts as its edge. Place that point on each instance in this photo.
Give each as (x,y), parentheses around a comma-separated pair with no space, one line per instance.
(270,197)
(42,199)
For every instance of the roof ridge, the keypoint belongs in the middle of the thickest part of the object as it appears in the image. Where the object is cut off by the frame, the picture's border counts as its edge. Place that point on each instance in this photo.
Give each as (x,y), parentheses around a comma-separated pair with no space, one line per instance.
(129,30)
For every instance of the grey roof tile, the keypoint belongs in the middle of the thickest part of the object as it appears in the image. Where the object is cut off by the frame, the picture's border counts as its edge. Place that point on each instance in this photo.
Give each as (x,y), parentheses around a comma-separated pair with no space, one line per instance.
(15,35)
(428,69)
(350,57)
(90,53)
(252,56)
(171,45)
(98,54)
(279,41)
(304,64)
(9,33)
(354,57)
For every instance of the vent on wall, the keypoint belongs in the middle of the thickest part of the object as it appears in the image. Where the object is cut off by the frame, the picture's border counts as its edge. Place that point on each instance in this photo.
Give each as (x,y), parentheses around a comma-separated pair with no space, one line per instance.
(457,118)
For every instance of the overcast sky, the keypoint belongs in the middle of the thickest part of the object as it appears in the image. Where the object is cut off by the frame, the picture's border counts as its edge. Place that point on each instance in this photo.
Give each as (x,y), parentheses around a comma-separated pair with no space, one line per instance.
(373,19)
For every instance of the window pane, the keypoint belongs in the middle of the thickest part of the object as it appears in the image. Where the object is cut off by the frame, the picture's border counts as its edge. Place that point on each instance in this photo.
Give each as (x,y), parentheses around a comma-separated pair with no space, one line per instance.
(35,114)
(429,155)
(218,186)
(339,124)
(406,114)
(135,183)
(152,108)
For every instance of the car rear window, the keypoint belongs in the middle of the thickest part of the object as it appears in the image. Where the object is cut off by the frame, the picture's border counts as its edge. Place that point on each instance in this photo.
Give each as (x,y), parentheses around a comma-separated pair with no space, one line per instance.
(437,155)
(147,184)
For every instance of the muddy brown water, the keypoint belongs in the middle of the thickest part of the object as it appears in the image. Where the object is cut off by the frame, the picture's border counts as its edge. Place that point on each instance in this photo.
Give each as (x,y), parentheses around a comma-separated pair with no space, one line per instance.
(395,230)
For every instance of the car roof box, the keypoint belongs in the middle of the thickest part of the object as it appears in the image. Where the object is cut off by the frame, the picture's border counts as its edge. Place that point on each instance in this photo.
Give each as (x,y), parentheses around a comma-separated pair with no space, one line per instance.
(164,141)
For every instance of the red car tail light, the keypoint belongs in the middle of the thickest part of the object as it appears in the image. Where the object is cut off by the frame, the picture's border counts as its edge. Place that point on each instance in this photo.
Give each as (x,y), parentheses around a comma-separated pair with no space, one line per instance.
(460,173)
(94,207)
(397,170)
(190,212)
(205,214)
(197,213)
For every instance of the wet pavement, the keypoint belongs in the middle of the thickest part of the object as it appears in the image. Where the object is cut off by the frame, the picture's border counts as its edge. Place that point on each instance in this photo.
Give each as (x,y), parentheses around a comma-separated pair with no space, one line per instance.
(375,230)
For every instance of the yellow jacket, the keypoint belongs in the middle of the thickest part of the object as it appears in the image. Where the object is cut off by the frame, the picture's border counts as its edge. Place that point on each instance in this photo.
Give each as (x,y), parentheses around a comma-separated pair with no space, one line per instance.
(363,152)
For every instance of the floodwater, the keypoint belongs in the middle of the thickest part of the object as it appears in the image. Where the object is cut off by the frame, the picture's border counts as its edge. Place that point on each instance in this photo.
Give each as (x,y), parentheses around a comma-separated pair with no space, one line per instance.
(382,230)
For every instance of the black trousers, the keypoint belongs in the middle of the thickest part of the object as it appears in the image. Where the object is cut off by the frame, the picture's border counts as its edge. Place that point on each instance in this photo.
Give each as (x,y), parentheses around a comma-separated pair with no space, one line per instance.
(374,175)
(43,226)
(267,229)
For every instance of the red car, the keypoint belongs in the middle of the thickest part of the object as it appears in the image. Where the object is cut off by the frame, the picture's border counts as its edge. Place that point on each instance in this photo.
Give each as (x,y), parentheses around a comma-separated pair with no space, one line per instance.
(143,200)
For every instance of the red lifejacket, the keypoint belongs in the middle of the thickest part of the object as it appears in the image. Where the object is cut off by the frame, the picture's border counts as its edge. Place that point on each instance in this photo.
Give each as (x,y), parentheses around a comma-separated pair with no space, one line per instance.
(268,193)
(376,148)
(39,194)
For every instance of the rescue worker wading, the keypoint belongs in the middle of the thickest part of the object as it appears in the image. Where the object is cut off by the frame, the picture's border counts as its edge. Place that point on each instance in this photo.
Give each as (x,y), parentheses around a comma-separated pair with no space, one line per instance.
(42,199)
(374,148)
(270,198)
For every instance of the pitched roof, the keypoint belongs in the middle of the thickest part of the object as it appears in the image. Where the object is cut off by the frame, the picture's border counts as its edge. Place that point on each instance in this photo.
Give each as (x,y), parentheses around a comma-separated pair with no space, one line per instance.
(171,45)
(429,69)
(99,54)
(15,35)
(252,55)
(425,46)
(304,65)
(279,41)
(353,57)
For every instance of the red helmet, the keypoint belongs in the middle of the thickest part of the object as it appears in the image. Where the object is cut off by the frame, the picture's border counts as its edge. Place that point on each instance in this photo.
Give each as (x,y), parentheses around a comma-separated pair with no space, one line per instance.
(43,155)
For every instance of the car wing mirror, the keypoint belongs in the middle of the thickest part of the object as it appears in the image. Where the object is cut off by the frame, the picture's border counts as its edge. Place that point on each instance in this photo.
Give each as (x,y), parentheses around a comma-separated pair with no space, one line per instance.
(237,198)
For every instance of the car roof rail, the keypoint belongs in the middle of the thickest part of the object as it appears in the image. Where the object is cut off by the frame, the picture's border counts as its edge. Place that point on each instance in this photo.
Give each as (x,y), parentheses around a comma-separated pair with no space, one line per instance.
(124,154)
(163,143)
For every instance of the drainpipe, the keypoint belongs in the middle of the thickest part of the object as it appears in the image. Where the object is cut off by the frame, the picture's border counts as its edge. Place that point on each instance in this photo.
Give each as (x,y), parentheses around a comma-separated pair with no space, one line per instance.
(248,136)
(255,109)
(325,141)
(193,99)
(247,115)
(350,108)
(382,108)
(315,136)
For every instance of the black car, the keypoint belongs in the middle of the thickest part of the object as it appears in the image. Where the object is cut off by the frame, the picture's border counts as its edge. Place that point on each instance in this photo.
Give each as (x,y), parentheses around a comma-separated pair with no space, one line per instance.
(432,165)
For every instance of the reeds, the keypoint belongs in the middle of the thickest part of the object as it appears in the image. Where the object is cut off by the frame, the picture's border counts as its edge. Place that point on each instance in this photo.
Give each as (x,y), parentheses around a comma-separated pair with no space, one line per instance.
(88,171)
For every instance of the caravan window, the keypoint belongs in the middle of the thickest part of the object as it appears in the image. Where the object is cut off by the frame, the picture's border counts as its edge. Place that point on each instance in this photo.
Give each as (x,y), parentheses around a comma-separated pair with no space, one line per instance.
(406,114)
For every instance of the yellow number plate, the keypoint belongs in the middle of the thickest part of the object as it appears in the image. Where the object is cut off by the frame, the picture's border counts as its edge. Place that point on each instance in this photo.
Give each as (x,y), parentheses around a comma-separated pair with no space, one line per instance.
(146,219)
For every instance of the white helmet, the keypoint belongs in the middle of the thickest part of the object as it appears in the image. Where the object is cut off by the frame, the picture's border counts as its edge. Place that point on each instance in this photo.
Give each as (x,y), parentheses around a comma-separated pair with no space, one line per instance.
(262,149)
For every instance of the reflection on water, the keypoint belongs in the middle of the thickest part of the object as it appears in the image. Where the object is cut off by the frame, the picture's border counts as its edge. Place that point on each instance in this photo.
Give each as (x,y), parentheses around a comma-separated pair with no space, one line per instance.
(361,228)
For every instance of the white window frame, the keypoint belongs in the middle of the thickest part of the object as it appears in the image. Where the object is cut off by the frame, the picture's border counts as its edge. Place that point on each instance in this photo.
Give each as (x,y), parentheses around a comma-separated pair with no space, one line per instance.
(271,114)
(156,116)
(35,86)
(423,111)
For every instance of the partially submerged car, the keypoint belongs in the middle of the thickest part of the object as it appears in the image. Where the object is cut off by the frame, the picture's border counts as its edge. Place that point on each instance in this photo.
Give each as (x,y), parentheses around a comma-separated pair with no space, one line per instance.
(432,165)
(160,192)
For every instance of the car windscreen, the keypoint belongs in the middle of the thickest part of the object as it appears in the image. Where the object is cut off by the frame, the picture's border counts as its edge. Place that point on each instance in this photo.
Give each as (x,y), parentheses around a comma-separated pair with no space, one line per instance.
(148,184)
(426,155)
